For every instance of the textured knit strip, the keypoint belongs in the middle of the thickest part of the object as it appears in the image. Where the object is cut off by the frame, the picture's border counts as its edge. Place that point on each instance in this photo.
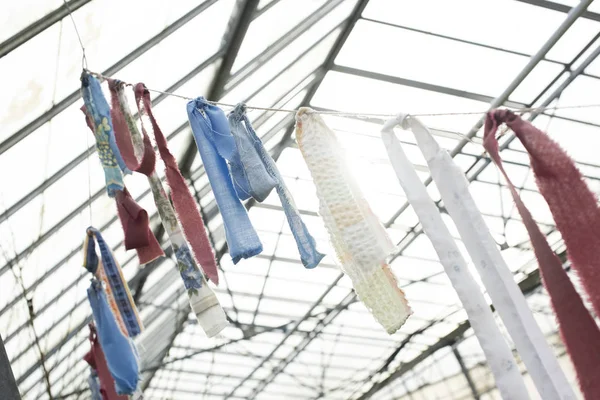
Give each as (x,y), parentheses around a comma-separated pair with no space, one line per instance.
(577,327)
(261,173)
(506,296)
(203,301)
(217,146)
(497,352)
(118,285)
(183,201)
(360,241)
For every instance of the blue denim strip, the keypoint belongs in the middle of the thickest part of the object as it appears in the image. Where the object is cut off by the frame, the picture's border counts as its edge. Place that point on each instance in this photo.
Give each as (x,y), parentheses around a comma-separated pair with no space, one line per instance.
(94,384)
(91,258)
(119,350)
(110,157)
(117,285)
(244,133)
(217,146)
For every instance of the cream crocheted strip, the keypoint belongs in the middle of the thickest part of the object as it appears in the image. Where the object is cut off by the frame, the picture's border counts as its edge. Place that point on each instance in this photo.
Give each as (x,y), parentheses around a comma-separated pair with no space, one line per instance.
(360,241)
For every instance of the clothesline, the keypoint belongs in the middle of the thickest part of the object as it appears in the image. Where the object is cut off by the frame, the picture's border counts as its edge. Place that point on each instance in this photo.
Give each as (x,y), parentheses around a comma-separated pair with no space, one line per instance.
(355,114)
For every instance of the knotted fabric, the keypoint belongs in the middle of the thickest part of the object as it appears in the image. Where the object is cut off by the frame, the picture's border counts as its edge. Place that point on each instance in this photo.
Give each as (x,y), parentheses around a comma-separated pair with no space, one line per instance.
(183,201)
(97,362)
(203,301)
(119,351)
(262,173)
(498,354)
(126,308)
(508,299)
(217,146)
(558,176)
(360,241)
(134,219)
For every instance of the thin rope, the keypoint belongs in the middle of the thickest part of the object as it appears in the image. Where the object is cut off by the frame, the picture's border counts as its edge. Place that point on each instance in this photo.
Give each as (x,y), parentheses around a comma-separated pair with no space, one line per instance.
(353,114)
(83,58)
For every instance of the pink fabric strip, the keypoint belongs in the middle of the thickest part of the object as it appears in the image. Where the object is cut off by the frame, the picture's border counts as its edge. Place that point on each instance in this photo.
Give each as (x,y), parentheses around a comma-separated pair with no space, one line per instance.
(183,201)
(577,327)
(123,136)
(135,222)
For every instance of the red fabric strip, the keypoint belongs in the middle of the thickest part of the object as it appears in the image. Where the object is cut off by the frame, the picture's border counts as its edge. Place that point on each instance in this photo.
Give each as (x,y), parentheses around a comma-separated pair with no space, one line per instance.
(95,358)
(183,201)
(138,234)
(577,327)
(123,136)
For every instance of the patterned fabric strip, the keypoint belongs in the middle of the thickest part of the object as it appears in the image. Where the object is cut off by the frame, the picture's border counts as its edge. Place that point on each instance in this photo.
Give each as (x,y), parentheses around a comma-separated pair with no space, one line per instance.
(248,139)
(578,329)
(99,120)
(119,287)
(183,201)
(508,299)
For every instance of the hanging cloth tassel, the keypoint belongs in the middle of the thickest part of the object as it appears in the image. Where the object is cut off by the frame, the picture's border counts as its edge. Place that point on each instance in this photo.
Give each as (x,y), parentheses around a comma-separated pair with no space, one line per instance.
(97,362)
(120,353)
(261,171)
(127,310)
(183,201)
(506,296)
(360,241)
(217,146)
(499,356)
(203,300)
(134,219)
(577,327)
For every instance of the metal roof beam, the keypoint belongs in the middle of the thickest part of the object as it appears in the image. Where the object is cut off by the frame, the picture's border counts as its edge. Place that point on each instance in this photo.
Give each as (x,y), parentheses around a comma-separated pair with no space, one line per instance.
(119,65)
(37,27)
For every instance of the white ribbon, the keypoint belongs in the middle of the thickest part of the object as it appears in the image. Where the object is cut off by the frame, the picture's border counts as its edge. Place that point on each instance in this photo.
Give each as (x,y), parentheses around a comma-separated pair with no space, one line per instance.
(499,356)
(506,296)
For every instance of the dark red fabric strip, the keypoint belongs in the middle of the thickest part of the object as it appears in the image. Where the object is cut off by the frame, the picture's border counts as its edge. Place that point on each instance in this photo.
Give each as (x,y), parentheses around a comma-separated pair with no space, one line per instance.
(95,358)
(138,234)
(123,135)
(183,201)
(578,329)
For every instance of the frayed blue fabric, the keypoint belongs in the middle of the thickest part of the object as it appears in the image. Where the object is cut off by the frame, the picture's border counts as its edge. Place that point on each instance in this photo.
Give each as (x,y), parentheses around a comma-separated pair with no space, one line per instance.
(217,146)
(94,385)
(119,351)
(115,278)
(98,110)
(262,171)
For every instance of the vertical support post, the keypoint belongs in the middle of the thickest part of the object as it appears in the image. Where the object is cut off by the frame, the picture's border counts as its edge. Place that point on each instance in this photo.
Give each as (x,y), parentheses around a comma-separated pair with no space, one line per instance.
(465,372)
(8,385)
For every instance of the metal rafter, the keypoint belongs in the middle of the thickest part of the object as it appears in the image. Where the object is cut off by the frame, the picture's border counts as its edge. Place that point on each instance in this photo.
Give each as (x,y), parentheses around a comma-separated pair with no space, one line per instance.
(39,26)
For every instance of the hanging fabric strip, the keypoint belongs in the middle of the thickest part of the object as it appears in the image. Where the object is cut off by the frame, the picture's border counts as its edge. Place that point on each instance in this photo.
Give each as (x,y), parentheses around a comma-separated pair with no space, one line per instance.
(118,286)
(262,172)
(203,301)
(498,354)
(124,123)
(134,219)
(506,296)
(573,205)
(360,241)
(578,329)
(217,146)
(96,360)
(94,384)
(99,121)
(120,353)
(183,201)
